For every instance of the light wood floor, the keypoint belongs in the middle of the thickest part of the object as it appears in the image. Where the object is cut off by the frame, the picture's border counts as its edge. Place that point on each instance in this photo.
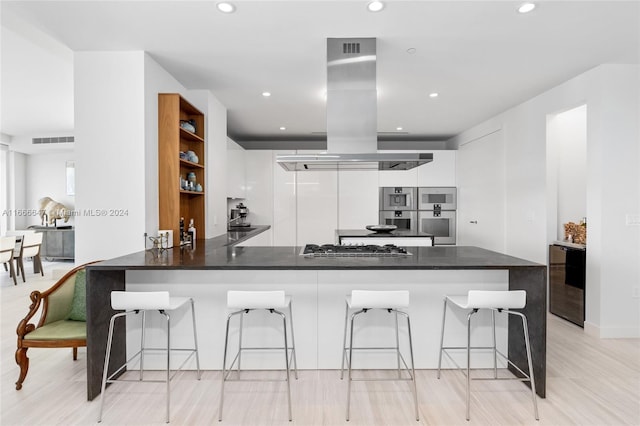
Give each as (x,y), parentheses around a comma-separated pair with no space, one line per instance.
(589,382)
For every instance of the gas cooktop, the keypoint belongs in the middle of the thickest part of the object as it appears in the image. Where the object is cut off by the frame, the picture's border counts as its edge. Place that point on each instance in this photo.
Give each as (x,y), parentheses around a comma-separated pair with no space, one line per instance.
(332,250)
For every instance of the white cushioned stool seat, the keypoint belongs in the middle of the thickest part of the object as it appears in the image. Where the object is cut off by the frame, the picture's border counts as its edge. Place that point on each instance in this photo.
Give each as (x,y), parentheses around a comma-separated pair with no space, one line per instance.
(483,299)
(257,299)
(374,299)
(146,300)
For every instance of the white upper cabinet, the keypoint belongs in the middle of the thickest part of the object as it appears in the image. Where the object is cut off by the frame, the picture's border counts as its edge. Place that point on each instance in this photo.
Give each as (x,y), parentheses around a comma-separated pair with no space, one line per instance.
(235,170)
(316,205)
(440,172)
(284,203)
(357,198)
(259,187)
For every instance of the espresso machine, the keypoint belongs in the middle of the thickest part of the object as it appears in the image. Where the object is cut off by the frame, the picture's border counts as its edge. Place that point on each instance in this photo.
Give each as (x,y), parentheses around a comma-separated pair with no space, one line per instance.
(239,216)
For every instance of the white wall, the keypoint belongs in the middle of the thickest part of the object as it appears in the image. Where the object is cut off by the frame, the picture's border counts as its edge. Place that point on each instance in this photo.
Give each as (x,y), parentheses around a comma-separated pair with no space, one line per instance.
(18,191)
(481,191)
(216,160)
(46,177)
(110,153)
(156,80)
(567,163)
(116,104)
(611,93)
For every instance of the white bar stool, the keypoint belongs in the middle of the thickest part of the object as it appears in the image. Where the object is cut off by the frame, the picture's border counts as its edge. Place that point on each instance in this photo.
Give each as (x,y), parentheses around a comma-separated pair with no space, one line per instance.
(132,302)
(245,302)
(363,301)
(496,301)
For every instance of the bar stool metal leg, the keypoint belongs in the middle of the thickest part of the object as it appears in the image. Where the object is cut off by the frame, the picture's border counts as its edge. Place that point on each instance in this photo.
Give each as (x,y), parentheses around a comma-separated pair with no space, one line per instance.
(195,338)
(344,339)
(105,370)
(144,326)
(240,342)
(469,361)
(529,361)
(168,318)
(495,350)
(286,359)
(413,368)
(444,317)
(350,360)
(397,344)
(224,364)
(293,341)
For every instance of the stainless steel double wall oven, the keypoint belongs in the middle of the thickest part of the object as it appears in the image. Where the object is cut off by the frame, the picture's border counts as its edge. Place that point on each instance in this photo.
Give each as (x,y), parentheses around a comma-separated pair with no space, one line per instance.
(426,209)
(398,207)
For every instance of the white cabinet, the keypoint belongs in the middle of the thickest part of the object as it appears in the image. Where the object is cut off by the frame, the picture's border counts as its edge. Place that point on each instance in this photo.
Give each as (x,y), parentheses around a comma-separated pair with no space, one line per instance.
(284,203)
(259,186)
(235,170)
(440,172)
(317,206)
(357,199)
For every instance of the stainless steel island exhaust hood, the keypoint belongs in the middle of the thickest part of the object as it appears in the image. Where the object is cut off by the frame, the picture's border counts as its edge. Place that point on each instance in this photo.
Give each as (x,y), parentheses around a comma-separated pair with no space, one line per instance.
(352,138)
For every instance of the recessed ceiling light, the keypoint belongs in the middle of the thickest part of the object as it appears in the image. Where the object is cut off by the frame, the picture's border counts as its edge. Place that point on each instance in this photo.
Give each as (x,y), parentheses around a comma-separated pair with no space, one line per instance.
(225,7)
(411,50)
(375,6)
(433,95)
(398,128)
(283,128)
(266,94)
(526,7)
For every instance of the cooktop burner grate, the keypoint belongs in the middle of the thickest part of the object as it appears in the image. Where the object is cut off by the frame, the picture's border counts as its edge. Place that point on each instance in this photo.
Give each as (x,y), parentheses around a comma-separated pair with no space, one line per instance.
(331,250)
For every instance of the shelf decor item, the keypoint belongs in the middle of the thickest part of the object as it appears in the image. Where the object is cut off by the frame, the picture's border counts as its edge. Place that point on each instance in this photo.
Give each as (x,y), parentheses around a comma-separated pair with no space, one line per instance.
(577,232)
(189,125)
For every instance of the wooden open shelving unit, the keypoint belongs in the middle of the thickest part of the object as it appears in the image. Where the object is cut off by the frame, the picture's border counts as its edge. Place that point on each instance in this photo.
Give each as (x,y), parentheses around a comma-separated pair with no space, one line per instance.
(175,202)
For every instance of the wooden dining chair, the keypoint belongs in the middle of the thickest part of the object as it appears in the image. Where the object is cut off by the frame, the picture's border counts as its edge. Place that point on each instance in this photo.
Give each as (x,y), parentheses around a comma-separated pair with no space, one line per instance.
(30,247)
(7,245)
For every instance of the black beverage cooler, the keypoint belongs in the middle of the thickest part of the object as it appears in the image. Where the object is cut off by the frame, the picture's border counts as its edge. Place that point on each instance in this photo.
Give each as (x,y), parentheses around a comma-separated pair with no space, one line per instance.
(567,267)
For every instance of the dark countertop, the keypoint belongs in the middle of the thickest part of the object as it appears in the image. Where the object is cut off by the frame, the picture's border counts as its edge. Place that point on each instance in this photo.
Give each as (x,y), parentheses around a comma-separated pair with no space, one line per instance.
(236,235)
(366,233)
(209,254)
(572,245)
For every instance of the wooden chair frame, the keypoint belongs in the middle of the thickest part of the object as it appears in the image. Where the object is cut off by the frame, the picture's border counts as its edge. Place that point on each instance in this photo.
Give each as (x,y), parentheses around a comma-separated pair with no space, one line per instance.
(11,270)
(37,262)
(25,327)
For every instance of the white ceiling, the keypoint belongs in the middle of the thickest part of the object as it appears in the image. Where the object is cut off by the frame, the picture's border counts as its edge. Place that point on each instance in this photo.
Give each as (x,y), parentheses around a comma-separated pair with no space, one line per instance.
(482,57)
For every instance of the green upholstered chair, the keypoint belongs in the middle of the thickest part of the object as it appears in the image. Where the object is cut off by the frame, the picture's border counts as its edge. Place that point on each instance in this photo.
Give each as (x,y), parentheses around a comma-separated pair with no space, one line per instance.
(62,322)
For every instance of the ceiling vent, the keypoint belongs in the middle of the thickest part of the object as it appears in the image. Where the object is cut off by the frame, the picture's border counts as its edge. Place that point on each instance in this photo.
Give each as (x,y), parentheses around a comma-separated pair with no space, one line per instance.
(60,139)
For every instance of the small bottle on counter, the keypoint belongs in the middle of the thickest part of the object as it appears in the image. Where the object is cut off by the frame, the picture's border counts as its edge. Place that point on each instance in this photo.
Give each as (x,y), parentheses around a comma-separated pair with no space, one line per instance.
(192,231)
(181,230)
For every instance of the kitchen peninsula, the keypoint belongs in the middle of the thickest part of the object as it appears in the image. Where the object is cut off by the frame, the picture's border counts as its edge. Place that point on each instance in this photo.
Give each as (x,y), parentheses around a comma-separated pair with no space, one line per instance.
(317,286)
